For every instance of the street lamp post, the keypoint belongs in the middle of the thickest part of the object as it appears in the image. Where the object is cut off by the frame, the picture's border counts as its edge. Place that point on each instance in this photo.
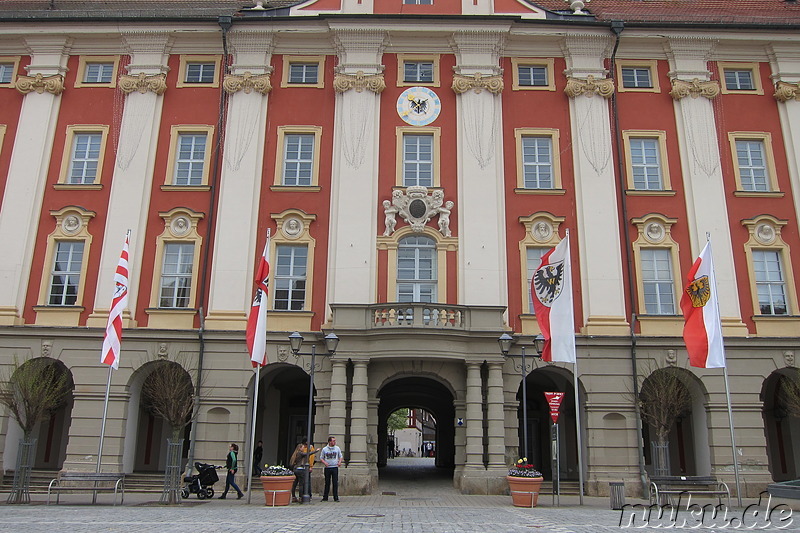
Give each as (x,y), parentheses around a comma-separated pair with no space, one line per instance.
(505,342)
(295,342)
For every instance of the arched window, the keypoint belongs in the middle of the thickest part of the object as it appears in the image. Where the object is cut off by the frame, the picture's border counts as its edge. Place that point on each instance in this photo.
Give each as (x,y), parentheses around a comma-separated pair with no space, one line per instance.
(416,269)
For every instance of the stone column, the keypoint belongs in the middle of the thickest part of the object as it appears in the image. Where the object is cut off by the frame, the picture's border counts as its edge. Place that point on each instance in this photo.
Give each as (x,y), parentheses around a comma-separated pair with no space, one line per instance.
(474,416)
(481,198)
(706,207)
(495,416)
(248,85)
(354,182)
(338,402)
(27,171)
(358,415)
(131,185)
(602,286)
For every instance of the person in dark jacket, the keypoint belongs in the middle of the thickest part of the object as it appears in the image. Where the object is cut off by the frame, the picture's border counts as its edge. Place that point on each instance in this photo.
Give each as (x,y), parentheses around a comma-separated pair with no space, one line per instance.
(231,464)
(257,454)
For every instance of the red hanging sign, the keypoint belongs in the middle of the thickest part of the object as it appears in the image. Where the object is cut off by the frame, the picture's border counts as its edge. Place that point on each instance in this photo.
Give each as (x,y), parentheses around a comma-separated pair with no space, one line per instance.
(554,401)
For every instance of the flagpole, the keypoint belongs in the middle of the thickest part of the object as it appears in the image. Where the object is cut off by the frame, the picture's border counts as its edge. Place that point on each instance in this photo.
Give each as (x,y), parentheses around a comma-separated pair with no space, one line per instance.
(578,427)
(253,433)
(727,387)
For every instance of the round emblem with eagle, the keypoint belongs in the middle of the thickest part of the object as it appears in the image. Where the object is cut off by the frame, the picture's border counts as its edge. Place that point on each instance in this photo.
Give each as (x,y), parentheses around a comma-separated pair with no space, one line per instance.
(418,106)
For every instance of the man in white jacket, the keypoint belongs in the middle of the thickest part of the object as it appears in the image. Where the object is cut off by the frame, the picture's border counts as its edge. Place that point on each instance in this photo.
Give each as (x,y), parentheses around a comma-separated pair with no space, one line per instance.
(331,457)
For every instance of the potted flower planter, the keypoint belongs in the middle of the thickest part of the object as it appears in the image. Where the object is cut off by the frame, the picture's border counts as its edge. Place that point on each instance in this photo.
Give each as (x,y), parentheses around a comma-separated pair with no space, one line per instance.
(277,490)
(524,490)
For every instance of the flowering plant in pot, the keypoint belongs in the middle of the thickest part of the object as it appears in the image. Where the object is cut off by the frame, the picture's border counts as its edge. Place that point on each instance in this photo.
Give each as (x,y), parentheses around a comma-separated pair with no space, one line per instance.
(277,482)
(524,483)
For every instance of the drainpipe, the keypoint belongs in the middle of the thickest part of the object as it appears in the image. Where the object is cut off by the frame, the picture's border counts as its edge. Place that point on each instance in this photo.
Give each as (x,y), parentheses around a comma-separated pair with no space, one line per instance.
(617,26)
(224,24)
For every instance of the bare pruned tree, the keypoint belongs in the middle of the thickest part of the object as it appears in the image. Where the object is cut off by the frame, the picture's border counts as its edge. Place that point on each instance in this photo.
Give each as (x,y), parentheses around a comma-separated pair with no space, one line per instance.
(168,393)
(33,391)
(663,399)
(789,393)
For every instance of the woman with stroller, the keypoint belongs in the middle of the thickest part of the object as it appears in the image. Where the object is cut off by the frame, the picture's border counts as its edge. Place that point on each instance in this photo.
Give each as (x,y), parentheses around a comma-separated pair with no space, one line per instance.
(301,462)
(232,466)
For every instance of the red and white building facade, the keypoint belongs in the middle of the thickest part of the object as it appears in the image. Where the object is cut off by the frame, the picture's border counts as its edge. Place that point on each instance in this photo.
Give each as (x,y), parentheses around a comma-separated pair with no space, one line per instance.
(412,161)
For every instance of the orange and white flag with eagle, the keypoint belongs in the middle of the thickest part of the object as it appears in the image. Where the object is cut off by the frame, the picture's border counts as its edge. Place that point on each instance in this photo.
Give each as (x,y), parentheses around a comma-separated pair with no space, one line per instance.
(551,288)
(702,330)
(256,334)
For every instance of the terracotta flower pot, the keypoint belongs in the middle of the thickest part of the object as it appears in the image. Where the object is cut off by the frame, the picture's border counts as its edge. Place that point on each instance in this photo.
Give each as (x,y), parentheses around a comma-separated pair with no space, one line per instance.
(277,490)
(524,490)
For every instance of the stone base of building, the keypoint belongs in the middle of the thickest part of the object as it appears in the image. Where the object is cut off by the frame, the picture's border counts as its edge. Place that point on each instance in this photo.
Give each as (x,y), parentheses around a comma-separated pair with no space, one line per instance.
(481,481)
(357,480)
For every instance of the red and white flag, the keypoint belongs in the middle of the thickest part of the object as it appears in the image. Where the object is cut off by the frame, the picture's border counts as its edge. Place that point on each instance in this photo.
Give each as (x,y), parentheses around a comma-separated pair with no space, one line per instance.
(702,330)
(551,288)
(257,321)
(113,336)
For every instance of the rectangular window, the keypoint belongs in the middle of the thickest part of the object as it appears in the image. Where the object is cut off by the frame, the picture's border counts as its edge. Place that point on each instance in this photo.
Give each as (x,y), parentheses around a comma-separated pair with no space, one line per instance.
(304,73)
(416,270)
(636,78)
(533,260)
(657,282)
(739,80)
(532,75)
(190,159)
(537,162)
(98,73)
(298,159)
(418,71)
(418,2)
(6,72)
(417,160)
(66,273)
(770,283)
(176,275)
(752,165)
(200,72)
(290,277)
(85,158)
(645,164)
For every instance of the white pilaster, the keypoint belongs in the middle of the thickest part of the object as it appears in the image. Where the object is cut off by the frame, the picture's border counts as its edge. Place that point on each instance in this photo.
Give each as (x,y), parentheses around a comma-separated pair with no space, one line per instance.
(129,201)
(602,288)
(706,207)
(231,289)
(354,181)
(482,272)
(27,174)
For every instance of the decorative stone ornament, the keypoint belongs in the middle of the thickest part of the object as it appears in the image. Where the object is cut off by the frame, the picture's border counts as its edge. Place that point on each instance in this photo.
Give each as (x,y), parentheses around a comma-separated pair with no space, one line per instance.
(765,233)
(52,84)
(418,106)
(417,206)
(787,91)
(247,82)
(359,82)
(577,6)
(589,87)
(143,83)
(477,82)
(682,89)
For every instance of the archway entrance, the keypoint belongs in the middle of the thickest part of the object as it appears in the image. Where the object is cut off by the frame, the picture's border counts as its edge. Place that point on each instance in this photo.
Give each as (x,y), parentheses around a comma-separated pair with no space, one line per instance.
(420,394)
(281,421)
(539,452)
(781,423)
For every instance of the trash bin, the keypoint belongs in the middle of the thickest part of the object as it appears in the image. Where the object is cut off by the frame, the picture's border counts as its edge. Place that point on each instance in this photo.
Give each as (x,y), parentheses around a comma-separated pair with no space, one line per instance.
(617,492)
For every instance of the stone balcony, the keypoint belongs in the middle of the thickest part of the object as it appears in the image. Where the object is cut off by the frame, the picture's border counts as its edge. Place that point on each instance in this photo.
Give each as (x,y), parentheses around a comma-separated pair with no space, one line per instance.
(432,316)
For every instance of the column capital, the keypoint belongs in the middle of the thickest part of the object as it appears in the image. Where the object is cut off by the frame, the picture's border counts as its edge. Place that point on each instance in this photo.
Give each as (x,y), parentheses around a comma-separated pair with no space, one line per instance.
(248,82)
(155,83)
(40,84)
(785,91)
(477,82)
(681,89)
(589,87)
(359,82)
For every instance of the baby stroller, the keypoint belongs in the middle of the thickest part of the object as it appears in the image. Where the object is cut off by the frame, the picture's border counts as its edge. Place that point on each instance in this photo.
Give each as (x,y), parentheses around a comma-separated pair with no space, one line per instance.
(201,482)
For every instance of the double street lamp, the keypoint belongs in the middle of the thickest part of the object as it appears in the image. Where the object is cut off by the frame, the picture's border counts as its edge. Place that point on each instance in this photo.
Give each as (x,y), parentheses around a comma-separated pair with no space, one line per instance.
(506,341)
(295,342)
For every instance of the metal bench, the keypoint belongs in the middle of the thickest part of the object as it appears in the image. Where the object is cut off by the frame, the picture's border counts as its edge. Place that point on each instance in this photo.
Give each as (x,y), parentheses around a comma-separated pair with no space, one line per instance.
(88,482)
(663,487)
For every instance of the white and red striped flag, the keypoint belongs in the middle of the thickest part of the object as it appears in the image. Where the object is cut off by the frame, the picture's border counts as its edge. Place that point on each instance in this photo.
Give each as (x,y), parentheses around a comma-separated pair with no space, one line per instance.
(551,288)
(702,330)
(113,336)
(257,321)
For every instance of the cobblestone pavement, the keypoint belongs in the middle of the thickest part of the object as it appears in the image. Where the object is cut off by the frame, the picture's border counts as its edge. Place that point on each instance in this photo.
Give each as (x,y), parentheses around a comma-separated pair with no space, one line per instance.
(429,506)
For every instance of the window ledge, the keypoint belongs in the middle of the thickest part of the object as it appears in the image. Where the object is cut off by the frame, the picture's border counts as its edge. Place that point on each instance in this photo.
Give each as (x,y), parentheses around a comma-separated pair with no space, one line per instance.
(550,192)
(758,194)
(660,325)
(295,188)
(170,318)
(77,187)
(290,320)
(184,188)
(637,192)
(58,315)
(776,325)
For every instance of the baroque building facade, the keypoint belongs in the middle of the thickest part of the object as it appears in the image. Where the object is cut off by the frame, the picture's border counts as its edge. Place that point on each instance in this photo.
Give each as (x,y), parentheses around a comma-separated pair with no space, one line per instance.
(412,161)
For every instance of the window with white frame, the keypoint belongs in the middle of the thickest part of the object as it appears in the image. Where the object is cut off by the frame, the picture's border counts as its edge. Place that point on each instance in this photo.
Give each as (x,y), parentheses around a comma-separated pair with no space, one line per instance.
(84,158)
(770,282)
(304,73)
(176,275)
(419,2)
(645,164)
(290,277)
(537,162)
(416,269)
(739,79)
(6,72)
(532,75)
(418,159)
(190,159)
(752,165)
(636,78)
(298,159)
(65,275)
(98,72)
(657,282)
(533,256)
(418,71)
(200,72)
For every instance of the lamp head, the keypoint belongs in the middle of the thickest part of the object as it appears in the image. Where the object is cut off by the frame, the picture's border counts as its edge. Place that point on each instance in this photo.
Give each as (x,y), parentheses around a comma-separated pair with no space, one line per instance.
(538,343)
(505,341)
(331,342)
(295,342)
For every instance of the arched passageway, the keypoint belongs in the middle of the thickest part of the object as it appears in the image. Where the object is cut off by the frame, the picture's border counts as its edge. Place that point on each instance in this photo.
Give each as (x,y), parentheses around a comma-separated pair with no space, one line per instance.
(781,423)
